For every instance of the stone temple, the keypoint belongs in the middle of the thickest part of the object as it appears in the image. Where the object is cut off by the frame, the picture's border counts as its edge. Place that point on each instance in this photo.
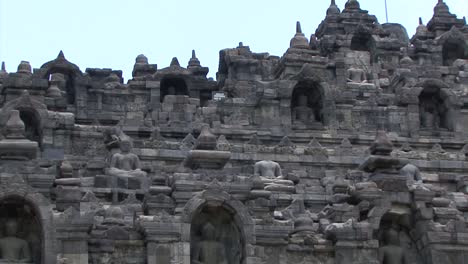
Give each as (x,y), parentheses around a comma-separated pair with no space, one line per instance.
(350,148)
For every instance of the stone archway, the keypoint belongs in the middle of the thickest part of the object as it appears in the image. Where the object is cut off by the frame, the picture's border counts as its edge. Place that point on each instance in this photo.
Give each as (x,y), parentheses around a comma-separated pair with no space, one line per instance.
(217,215)
(33,214)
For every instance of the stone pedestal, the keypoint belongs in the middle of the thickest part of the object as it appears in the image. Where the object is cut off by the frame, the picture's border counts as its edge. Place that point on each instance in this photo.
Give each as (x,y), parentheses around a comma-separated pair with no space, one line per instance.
(207,159)
(163,244)
(357,252)
(385,172)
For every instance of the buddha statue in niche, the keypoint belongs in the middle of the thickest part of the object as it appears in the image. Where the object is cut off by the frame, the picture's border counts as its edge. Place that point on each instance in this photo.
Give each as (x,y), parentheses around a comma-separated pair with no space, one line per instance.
(209,250)
(302,112)
(171,90)
(429,117)
(356,75)
(12,248)
(392,252)
(125,163)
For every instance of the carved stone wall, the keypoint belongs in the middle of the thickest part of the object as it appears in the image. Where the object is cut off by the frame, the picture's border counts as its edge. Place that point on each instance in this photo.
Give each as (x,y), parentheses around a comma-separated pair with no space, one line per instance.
(351,147)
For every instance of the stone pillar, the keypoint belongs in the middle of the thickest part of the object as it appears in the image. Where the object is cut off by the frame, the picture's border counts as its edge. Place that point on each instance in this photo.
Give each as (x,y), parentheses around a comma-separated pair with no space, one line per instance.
(75,251)
(162,241)
(72,232)
(413,119)
(159,253)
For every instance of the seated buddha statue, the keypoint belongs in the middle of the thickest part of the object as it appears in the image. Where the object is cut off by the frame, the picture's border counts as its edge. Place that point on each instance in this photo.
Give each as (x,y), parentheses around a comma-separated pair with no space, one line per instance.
(125,163)
(12,248)
(356,75)
(303,113)
(271,176)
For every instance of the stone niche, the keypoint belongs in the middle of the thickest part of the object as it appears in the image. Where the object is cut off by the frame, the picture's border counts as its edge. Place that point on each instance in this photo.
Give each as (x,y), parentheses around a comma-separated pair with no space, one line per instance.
(361,42)
(215,238)
(173,86)
(65,84)
(69,72)
(395,239)
(452,50)
(433,111)
(20,232)
(307,104)
(32,124)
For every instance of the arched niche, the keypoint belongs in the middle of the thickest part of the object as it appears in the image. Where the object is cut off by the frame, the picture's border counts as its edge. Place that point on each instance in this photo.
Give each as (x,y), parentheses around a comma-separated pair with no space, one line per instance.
(68,84)
(33,213)
(173,86)
(233,225)
(29,229)
(33,113)
(32,123)
(433,110)
(453,49)
(394,236)
(70,72)
(307,103)
(215,237)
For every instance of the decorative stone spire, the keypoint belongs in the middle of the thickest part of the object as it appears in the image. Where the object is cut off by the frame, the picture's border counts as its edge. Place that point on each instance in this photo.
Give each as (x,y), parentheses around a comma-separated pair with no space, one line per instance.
(206,140)
(175,62)
(314,143)
(14,128)
(66,169)
(16,146)
(142,67)
(194,62)
(421,30)
(352,5)
(141,59)
(314,43)
(299,41)
(24,67)
(406,60)
(113,78)
(333,9)
(61,56)
(382,144)
(188,142)
(3,72)
(441,9)
(442,20)
(54,90)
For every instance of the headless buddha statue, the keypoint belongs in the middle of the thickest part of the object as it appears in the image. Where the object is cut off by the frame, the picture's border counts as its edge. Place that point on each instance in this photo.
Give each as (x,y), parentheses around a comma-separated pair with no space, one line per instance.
(14,249)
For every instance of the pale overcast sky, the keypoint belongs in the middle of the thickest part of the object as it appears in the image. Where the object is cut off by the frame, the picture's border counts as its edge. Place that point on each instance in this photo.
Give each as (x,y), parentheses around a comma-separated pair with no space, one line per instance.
(111,33)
